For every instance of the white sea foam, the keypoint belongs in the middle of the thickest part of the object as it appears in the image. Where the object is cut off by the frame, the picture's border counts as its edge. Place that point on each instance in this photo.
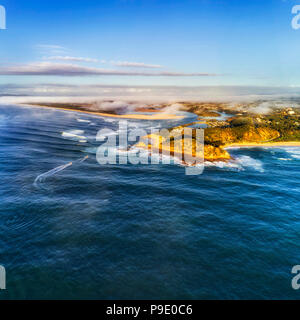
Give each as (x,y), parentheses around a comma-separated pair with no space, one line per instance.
(240,164)
(108,119)
(74,135)
(285,159)
(248,162)
(83,120)
(231,165)
(294,152)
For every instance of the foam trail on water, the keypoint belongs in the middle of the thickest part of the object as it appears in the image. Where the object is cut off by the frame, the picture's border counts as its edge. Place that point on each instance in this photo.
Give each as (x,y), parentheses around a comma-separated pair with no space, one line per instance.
(50,173)
(82,159)
(74,135)
(42,177)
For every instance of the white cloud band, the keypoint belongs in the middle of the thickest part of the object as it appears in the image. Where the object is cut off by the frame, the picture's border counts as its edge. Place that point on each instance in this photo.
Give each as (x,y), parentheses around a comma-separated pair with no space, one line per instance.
(58,69)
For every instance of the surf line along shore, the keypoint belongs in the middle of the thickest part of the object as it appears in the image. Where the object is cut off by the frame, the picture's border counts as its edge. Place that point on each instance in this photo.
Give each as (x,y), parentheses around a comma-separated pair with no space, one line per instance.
(156,116)
(262,144)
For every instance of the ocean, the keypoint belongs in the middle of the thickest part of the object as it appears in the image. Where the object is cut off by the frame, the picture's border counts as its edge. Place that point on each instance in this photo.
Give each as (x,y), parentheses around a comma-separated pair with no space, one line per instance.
(74,229)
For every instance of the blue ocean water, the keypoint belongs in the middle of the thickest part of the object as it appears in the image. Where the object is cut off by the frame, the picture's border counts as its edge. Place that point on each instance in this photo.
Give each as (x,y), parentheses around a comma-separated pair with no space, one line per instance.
(144,231)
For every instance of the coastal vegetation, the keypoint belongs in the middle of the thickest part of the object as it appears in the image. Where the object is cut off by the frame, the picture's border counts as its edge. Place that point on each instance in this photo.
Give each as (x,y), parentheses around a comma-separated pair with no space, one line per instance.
(246,128)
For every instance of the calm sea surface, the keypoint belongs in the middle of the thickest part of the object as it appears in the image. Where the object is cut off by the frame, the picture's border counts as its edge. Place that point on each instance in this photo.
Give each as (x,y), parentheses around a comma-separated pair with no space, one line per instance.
(84,230)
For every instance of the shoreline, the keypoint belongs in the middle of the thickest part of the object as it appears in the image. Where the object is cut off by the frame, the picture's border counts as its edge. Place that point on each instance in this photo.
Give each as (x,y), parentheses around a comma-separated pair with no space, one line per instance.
(266,144)
(121,116)
(157,116)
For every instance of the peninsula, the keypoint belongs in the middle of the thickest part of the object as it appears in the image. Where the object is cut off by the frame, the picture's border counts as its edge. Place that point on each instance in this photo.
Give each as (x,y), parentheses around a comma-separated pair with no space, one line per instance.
(244,128)
(226,125)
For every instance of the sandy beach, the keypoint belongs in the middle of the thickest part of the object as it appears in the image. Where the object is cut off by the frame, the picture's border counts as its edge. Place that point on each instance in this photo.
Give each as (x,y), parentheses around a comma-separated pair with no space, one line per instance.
(155,116)
(266,144)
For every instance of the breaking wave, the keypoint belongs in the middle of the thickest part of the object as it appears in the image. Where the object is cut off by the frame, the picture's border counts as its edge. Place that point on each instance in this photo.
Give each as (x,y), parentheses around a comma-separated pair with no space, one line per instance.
(240,163)
(294,152)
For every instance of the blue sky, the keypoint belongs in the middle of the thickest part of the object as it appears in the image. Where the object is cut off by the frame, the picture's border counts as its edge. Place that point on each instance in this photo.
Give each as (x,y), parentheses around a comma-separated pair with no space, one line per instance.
(125,42)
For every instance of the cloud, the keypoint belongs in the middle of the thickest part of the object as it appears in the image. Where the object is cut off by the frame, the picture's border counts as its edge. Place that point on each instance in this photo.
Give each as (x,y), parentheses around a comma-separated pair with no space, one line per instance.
(58,69)
(51,48)
(112,105)
(173,108)
(68,58)
(268,106)
(68,93)
(136,64)
(262,108)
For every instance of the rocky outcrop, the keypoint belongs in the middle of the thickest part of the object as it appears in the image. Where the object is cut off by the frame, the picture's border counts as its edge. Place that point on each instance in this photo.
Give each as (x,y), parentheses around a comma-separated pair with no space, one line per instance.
(186,148)
(212,153)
